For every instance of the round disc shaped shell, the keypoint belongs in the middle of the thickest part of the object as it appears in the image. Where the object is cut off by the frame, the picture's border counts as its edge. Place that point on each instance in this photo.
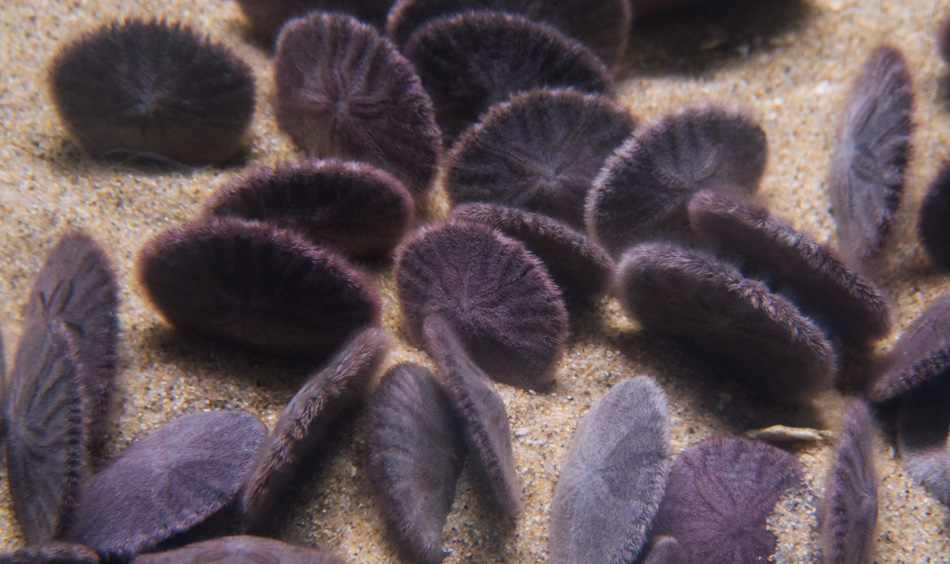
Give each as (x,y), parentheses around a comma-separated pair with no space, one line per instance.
(495,294)
(416,455)
(793,263)
(848,511)
(256,285)
(47,417)
(474,60)
(708,304)
(482,411)
(644,187)
(153,88)
(167,482)
(933,226)
(602,25)
(719,495)
(921,355)
(613,477)
(578,266)
(268,16)
(331,394)
(344,90)
(353,207)
(540,151)
(867,166)
(76,286)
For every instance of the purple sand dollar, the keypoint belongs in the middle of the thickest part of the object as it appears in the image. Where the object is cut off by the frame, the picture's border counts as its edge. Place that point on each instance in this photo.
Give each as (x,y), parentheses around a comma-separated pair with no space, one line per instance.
(153,88)
(76,286)
(166,482)
(47,415)
(498,298)
(539,151)
(343,90)
(720,493)
(353,207)
(580,268)
(256,285)
(642,190)
(794,264)
(483,414)
(416,450)
(707,304)
(613,477)
(471,61)
(329,395)
(848,510)
(868,163)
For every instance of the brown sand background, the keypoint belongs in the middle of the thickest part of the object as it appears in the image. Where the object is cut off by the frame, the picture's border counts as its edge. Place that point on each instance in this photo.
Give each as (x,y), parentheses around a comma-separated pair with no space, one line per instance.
(787,62)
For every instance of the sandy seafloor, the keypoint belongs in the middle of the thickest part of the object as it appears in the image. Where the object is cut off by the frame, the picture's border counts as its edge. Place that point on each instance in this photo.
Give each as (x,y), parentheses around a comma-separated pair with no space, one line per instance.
(789,63)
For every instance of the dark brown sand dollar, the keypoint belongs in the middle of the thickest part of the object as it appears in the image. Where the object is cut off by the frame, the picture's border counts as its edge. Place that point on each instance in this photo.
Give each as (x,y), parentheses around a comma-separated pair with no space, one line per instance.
(256,285)
(496,295)
(344,90)
(353,207)
(920,355)
(539,151)
(76,286)
(708,304)
(472,61)
(332,393)
(52,553)
(923,429)
(644,187)
(268,16)
(166,482)
(47,414)
(601,25)
(483,414)
(794,264)
(933,225)
(867,166)
(580,268)
(416,450)
(613,477)
(719,495)
(848,512)
(240,550)
(153,88)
